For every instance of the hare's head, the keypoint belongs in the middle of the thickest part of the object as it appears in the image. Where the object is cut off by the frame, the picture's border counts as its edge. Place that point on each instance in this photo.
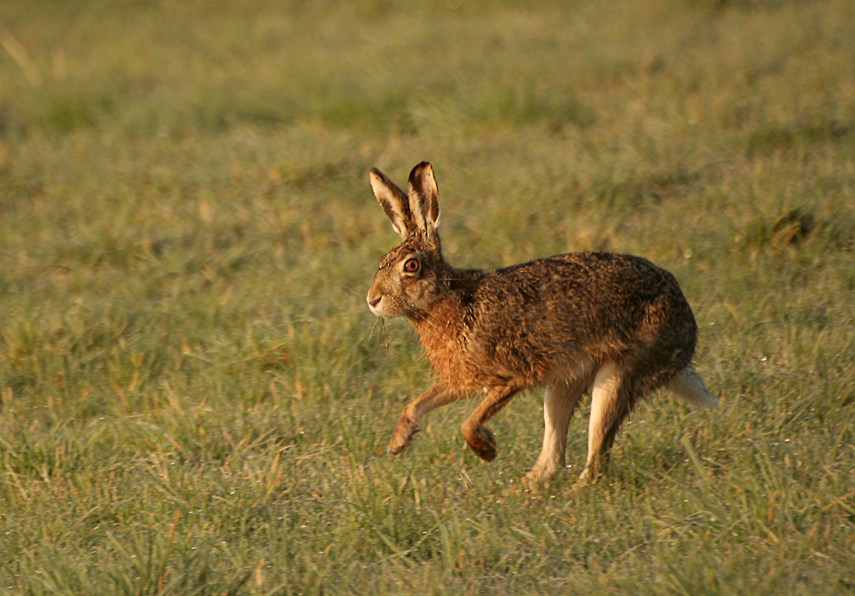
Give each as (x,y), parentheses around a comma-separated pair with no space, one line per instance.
(411,277)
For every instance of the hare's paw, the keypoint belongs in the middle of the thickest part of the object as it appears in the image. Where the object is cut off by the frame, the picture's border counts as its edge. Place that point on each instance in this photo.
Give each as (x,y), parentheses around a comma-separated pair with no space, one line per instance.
(535,478)
(483,443)
(588,477)
(403,436)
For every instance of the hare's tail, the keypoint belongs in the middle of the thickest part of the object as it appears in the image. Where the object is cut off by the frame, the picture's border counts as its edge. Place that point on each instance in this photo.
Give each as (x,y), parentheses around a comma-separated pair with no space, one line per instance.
(689,386)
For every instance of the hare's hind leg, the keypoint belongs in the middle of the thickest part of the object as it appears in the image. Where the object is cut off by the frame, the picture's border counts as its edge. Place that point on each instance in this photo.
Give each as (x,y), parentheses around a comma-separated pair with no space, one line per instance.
(615,392)
(606,416)
(479,438)
(559,402)
(610,404)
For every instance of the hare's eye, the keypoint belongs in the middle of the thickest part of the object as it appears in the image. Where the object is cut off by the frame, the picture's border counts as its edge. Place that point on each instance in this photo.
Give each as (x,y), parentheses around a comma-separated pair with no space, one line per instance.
(411,265)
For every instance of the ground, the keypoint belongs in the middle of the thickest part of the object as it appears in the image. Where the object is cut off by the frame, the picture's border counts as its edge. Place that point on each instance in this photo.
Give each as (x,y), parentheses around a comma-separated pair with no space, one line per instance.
(194,397)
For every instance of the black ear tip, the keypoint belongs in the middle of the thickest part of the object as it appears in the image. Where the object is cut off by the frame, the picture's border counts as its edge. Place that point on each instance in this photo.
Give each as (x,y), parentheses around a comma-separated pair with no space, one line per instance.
(420,169)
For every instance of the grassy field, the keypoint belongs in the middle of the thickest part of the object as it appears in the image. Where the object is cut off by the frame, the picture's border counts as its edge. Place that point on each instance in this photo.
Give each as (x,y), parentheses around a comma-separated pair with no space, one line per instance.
(195,399)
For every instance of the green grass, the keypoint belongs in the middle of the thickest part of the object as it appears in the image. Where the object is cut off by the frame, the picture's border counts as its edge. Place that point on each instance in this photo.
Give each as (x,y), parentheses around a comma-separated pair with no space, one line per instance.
(194,398)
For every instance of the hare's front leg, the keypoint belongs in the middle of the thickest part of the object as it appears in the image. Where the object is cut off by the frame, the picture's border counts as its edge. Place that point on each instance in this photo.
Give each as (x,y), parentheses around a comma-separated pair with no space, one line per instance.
(478,436)
(436,396)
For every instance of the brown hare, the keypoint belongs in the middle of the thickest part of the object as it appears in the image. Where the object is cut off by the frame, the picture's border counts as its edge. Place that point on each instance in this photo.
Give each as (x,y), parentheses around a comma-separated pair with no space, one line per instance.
(615,325)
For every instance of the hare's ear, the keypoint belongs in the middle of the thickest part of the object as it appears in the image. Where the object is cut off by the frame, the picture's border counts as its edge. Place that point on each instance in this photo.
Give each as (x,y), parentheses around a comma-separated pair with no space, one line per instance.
(424,199)
(394,203)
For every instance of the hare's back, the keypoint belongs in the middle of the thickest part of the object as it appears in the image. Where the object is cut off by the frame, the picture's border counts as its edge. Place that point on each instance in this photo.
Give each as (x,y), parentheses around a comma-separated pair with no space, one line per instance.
(597,272)
(596,288)
(619,273)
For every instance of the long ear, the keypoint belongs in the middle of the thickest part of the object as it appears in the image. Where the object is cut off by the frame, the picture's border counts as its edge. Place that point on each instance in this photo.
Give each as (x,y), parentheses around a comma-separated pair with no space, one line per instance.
(424,199)
(394,203)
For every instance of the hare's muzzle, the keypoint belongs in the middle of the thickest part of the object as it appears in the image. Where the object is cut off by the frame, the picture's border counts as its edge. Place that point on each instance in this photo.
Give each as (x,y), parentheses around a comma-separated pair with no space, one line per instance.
(374,301)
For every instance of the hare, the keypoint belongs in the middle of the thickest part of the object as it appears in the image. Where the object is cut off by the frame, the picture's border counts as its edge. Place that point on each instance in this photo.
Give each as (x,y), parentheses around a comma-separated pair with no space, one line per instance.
(611,324)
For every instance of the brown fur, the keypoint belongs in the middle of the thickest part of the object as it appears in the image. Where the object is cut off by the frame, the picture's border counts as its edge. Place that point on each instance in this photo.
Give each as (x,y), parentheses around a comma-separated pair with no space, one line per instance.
(615,323)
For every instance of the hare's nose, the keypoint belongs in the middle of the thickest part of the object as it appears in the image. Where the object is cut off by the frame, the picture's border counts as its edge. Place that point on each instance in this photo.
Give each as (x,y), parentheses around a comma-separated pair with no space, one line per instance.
(372,302)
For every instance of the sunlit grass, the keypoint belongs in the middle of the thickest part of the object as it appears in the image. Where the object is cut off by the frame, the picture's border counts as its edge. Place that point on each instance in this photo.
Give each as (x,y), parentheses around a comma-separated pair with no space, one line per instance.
(195,399)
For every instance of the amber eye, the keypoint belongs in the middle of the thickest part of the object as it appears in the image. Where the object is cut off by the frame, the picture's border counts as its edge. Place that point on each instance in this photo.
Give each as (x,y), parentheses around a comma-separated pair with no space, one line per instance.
(411,265)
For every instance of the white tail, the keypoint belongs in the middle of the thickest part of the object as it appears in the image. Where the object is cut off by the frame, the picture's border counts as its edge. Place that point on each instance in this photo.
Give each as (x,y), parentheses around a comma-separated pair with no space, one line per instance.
(689,386)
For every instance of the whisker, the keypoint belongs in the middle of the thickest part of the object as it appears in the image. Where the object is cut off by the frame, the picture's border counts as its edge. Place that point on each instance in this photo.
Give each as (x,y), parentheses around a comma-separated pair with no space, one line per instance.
(377,320)
(385,337)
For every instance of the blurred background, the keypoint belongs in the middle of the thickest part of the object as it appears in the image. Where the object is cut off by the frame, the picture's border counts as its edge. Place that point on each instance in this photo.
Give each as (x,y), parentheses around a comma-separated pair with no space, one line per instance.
(194,397)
